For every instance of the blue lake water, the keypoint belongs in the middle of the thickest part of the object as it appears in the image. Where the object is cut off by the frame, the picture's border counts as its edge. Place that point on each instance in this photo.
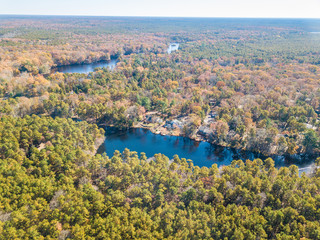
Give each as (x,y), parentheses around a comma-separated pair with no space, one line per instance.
(173,47)
(86,67)
(202,153)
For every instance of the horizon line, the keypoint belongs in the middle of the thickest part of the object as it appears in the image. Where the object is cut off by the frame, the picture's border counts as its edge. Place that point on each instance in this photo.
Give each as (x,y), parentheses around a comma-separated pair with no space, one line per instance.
(141,16)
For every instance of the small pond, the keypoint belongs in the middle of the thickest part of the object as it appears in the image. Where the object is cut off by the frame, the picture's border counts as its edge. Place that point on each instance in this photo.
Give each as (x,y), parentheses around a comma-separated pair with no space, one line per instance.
(173,47)
(86,67)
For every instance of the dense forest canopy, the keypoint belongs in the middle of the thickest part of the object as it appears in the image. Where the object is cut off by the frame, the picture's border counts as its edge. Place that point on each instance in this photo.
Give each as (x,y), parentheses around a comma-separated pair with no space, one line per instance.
(257,77)
(245,83)
(53,187)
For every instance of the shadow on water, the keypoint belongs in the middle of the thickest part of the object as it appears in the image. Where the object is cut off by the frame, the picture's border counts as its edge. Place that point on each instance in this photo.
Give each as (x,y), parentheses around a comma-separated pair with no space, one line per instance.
(202,153)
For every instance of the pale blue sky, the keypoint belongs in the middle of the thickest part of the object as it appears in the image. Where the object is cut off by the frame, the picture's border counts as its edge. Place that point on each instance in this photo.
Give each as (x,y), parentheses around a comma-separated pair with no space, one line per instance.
(177,8)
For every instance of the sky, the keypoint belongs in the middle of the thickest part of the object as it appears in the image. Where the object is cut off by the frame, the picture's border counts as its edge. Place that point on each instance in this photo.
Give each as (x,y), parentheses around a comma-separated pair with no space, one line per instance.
(166,8)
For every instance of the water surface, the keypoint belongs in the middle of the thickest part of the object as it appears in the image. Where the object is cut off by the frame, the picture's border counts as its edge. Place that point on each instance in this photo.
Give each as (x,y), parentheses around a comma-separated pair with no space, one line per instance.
(202,153)
(86,67)
(173,47)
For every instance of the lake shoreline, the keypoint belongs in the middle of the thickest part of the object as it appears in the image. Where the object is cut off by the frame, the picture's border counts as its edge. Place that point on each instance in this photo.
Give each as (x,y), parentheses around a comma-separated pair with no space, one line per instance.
(305,162)
(200,138)
(68,68)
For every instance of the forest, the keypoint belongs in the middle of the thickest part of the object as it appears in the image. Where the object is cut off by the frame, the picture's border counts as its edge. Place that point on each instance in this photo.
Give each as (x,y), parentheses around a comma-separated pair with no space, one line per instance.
(241,83)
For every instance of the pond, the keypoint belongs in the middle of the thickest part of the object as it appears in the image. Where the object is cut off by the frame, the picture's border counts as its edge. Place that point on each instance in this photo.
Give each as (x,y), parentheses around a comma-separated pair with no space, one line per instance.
(173,47)
(86,67)
(202,153)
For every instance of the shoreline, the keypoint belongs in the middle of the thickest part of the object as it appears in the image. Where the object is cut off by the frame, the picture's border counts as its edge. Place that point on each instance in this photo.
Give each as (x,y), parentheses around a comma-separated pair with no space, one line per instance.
(292,158)
(304,163)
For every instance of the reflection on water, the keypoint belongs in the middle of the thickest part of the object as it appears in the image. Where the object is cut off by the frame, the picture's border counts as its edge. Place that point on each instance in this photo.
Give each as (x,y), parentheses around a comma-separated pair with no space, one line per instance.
(86,68)
(173,47)
(202,153)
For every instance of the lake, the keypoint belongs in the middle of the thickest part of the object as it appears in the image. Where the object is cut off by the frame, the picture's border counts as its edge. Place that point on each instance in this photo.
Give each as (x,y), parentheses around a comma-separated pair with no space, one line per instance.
(86,67)
(173,47)
(202,153)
